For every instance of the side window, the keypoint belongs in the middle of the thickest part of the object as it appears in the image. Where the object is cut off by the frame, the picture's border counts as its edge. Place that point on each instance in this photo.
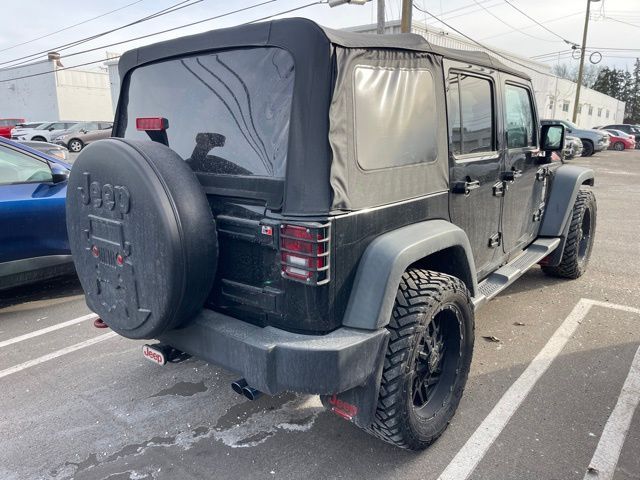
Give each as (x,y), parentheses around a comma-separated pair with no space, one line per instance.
(471,127)
(90,126)
(395,117)
(58,126)
(16,167)
(519,124)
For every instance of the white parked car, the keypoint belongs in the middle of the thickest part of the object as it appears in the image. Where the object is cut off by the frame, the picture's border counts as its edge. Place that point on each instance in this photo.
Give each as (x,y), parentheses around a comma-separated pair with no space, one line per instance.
(24,128)
(44,132)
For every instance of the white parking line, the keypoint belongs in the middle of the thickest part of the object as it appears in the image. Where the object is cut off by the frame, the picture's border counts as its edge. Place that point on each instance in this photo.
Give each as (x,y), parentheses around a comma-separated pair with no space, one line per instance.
(615,306)
(467,459)
(604,461)
(56,354)
(42,331)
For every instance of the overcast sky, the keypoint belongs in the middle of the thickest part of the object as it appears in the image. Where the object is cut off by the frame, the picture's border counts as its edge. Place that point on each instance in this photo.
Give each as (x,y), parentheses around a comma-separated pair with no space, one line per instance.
(615,24)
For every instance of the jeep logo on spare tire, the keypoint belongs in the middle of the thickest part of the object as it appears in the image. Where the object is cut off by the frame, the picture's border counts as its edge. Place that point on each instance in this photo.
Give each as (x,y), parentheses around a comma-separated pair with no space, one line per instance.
(105,195)
(147,263)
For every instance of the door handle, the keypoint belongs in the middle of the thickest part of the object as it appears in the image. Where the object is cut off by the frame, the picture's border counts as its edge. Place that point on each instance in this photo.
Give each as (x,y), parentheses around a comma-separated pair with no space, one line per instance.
(465,187)
(511,175)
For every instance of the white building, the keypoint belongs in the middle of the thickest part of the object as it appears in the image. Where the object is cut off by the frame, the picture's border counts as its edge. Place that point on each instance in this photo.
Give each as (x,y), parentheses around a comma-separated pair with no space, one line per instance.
(45,91)
(555,96)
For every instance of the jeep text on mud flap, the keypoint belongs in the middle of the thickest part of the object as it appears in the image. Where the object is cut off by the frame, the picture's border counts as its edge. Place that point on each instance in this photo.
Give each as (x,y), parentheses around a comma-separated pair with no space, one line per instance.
(322,212)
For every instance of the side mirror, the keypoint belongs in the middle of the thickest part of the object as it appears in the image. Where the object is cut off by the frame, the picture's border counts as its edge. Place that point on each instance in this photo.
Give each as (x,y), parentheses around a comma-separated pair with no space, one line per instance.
(59,174)
(51,129)
(83,130)
(552,138)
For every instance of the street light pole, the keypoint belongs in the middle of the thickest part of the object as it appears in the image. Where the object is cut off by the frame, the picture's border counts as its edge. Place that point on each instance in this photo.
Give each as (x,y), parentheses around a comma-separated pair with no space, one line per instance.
(582,53)
(380,29)
(405,23)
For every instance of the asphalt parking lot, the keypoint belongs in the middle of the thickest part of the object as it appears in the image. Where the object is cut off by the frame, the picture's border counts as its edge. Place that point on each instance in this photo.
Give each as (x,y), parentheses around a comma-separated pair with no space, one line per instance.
(553,398)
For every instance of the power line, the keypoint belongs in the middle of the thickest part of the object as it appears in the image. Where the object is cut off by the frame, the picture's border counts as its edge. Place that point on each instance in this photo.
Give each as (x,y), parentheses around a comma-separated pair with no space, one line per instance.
(551,20)
(590,49)
(171,9)
(141,37)
(446,14)
(318,2)
(480,44)
(511,27)
(539,24)
(70,26)
(622,21)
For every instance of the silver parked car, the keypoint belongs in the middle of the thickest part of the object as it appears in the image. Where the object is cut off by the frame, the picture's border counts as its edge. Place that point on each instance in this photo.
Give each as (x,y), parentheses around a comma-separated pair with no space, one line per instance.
(83,134)
(43,132)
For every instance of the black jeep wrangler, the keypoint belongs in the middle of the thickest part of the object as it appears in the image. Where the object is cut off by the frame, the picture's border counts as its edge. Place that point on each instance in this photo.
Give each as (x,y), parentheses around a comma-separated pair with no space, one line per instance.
(322,212)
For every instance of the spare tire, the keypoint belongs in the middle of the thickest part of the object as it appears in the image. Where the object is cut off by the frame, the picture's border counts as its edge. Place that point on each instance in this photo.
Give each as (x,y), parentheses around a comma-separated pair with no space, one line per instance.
(142,235)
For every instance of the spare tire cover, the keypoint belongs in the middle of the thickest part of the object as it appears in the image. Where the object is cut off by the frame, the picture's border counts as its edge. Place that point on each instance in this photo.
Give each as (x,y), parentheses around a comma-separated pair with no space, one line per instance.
(142,236)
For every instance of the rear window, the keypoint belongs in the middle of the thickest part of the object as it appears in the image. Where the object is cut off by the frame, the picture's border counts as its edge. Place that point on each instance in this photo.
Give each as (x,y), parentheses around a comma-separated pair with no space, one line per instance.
(228,111)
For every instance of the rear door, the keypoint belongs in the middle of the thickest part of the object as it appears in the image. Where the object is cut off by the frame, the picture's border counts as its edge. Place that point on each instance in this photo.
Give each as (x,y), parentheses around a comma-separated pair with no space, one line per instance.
(31,208)
(524,175)
(95,131)
(228,115)
(474,161)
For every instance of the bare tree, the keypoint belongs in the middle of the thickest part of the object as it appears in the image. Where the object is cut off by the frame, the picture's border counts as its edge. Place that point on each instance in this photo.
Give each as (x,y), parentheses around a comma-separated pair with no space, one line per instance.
(570,72)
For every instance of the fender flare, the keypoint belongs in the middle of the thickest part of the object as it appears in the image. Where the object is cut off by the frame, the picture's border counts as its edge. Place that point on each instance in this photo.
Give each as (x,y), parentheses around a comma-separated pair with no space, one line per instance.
(567,180)
(386,259)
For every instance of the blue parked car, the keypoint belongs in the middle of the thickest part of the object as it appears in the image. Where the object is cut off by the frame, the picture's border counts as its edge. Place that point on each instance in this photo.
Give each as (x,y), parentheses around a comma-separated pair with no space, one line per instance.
(33,233)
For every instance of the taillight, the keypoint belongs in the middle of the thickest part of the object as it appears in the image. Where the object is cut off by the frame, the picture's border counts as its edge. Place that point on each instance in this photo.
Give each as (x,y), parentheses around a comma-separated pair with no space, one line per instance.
(305,252)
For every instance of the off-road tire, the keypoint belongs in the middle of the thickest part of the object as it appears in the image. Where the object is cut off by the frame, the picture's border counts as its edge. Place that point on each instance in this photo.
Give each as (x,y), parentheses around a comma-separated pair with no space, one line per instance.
(587,148)
(422,296)
(577,249)
(619,146)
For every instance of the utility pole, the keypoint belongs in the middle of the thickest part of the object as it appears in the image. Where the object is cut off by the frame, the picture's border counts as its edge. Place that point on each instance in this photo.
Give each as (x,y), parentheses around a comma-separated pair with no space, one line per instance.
(583,49)
(380,29)
(405,23)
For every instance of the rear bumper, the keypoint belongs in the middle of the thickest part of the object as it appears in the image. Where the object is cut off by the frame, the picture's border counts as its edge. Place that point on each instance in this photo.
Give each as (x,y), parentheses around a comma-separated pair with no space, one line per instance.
(274,360)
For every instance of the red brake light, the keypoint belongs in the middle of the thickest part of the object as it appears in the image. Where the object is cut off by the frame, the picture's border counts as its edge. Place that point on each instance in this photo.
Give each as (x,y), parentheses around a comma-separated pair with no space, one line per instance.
(151,123)
(304,252)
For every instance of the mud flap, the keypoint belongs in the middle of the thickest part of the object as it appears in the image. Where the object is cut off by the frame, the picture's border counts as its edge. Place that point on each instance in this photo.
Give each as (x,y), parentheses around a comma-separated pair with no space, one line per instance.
(358,405)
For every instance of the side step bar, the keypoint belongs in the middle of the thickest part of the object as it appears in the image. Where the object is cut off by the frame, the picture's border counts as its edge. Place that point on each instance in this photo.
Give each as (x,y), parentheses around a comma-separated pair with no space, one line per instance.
(509,273)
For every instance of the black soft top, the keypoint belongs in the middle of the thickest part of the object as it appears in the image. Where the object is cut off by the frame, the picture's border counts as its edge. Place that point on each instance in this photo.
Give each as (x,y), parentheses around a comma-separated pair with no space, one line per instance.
(299,35)
(314,173)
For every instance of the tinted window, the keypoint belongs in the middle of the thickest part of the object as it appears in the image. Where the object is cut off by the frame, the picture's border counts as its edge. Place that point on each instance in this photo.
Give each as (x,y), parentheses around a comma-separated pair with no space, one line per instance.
(395,117)
(16,167)
(58,126)
(228,112)
(470,114)
(519,123)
